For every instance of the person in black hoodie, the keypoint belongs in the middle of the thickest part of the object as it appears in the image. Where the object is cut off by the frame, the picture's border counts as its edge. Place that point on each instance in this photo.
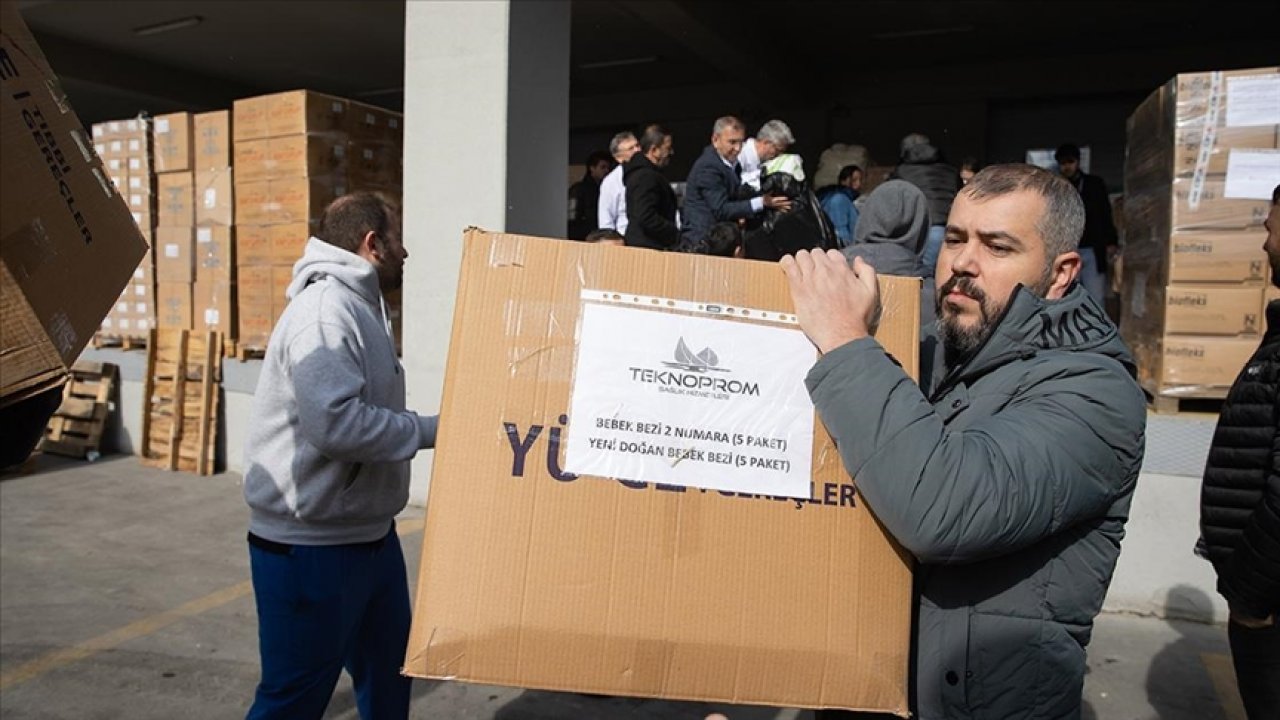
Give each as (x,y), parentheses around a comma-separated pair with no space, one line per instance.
(1100,240)
(922,166)
(1240,508)
(651,204)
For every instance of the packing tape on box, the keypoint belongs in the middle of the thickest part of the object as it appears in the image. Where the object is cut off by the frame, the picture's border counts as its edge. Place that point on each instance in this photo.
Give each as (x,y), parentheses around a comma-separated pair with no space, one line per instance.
(688,306)
(1207,140)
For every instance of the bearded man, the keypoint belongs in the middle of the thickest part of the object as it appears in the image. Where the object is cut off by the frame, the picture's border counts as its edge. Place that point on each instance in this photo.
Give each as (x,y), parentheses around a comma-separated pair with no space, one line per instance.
(1010,483)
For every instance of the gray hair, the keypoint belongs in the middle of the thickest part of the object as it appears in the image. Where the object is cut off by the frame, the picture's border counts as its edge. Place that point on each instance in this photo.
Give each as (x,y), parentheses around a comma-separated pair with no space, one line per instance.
(913,140)
(776,132)
(1062,222)
(728,122)
(616,143)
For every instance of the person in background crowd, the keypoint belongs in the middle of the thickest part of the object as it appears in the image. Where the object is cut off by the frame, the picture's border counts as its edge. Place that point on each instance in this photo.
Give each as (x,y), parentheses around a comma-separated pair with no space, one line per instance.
(1010,483)
(611,213)
(837,203)
(1100,240)
(327,461)
(1240,507)
(605,236)
(921,165)
(712,190)
(584,196)
(651,203)
(771,141)
(968,168)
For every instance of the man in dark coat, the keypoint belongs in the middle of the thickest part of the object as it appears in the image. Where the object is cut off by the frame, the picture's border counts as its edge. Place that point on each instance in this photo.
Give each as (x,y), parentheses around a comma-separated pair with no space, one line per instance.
(1010,482)
(1240,508)
(651,203)
(713,190)
(1100,240)
(921,165)
(584,196)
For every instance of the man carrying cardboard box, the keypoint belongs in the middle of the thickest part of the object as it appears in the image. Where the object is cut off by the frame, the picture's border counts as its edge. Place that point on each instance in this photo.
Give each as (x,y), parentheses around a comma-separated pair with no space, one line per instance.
(1240,507)
(1011,482)
(328,470)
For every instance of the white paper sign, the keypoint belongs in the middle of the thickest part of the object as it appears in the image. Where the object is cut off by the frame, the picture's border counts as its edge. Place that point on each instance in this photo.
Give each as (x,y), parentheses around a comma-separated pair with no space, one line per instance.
(1253,100)
(211,316)
(162,126)
(210,198)
(204,235)
(171,250)
(693,401)
(1252,174)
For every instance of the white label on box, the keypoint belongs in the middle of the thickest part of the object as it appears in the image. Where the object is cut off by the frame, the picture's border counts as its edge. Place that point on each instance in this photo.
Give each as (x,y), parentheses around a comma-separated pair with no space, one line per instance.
(124,323)
(122,307)
(138,273)
(116,146)
(211,316)
(135,164)
(337,107)
(162,126)
(135,183)
(704,402)
(135,201)
(210,198)
(140,308)
(204,235)
(115,127)
(1252,174)
(1253,100)
(131,126)
(113,164)
(140,290)
(100,148)
(135,145)
(98,131)
(171,250)
(144,324)
(369,119)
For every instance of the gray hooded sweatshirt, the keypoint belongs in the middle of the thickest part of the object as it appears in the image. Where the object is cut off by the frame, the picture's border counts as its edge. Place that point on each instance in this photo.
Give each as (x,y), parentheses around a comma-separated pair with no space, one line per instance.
(1011,486)
(330,438)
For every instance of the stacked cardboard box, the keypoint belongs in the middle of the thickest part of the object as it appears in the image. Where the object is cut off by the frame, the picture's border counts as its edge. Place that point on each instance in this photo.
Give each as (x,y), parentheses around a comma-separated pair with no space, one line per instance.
(213,295)
(126,152)
(1201,163)
(294,153)
(175,220)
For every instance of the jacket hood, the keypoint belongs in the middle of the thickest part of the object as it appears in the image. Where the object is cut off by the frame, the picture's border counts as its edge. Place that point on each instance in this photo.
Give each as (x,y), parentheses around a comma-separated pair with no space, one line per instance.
(320,259)
(1032,324)
(922,153)
(895,213)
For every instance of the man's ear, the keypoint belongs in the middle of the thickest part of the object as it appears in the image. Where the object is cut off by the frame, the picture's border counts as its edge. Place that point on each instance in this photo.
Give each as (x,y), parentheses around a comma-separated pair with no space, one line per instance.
(1065,269)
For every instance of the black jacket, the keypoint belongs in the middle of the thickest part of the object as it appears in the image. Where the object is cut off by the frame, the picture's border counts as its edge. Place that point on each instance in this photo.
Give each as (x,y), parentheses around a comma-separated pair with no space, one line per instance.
(651,206)
(1099,228)
(710,196)
(922,166)
(584,197)
(1240,498)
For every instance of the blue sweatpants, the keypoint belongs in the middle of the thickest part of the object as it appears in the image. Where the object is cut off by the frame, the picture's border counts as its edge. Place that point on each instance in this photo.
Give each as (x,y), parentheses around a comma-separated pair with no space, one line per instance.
(323,608)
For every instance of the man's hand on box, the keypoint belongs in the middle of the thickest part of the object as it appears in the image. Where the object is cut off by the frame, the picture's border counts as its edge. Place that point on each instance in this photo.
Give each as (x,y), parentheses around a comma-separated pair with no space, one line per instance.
(834,303)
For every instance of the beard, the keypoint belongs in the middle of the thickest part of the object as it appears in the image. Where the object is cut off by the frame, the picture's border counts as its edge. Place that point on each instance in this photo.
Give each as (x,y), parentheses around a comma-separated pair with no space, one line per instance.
(959,341)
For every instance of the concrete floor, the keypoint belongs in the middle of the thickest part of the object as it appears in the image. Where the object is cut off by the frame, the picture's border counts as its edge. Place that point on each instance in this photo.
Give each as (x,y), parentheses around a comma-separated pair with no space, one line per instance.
(124,593)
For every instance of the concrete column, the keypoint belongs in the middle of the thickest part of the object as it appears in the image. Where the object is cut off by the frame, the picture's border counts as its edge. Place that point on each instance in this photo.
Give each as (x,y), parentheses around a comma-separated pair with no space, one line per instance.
(485,144)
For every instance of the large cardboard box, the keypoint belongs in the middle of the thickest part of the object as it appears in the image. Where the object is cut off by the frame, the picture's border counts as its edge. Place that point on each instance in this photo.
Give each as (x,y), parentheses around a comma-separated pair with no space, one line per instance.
(1215,210)
(536,578)
(214,199)
(1227,257)
(212,140)
(214,304)
(63,225)
(175,254)
(1199,365)
(215,252)
(1213,310)
(172,144)
(175,202)
(288,241)
(173,305)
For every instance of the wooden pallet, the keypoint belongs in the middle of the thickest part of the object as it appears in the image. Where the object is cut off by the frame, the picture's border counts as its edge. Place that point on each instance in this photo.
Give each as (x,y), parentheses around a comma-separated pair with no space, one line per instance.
(245,352)
(76,427)
(124,342)
(1173,404)
(180,398)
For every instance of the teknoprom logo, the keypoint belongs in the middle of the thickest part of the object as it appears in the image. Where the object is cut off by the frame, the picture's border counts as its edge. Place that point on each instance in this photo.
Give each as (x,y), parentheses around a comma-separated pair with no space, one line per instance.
(690,376)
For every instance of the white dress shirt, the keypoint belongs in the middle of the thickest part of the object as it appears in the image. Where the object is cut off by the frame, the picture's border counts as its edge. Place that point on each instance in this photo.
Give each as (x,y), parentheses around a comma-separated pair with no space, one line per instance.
(612,209)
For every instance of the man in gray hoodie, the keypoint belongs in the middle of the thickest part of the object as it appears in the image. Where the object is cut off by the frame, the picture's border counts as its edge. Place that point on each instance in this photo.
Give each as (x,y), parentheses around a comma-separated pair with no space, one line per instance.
(327,471)
(1010,481)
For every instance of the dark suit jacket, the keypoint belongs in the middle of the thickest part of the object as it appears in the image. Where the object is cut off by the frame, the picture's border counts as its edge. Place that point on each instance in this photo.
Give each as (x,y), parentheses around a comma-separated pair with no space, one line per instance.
(709,198)
(651,206)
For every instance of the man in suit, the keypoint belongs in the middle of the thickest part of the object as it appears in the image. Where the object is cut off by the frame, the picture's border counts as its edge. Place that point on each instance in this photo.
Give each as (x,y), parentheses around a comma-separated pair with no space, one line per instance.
(651,204)
(713,190)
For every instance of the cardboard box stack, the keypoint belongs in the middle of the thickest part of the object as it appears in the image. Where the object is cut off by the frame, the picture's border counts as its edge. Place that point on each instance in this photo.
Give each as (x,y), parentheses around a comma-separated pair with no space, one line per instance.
(1201,163)
(294,152)
(126,152)
(175,220)
(213,294)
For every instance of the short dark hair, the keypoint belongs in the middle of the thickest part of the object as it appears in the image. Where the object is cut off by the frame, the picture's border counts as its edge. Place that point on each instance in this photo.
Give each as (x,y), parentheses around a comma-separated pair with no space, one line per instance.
(847,172)
(1275,196)
(652,137)
(723,239)
(970,162)
(346,220)
(1062,222)
(1067,151)
(603,234)
(599,156)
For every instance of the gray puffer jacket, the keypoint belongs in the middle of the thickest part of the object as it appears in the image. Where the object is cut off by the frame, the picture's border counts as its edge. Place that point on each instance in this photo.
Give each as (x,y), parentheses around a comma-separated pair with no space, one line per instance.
(1011,487)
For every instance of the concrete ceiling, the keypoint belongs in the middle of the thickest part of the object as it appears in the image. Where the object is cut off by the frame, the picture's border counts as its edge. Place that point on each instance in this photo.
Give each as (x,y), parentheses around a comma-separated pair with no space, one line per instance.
(778,53)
